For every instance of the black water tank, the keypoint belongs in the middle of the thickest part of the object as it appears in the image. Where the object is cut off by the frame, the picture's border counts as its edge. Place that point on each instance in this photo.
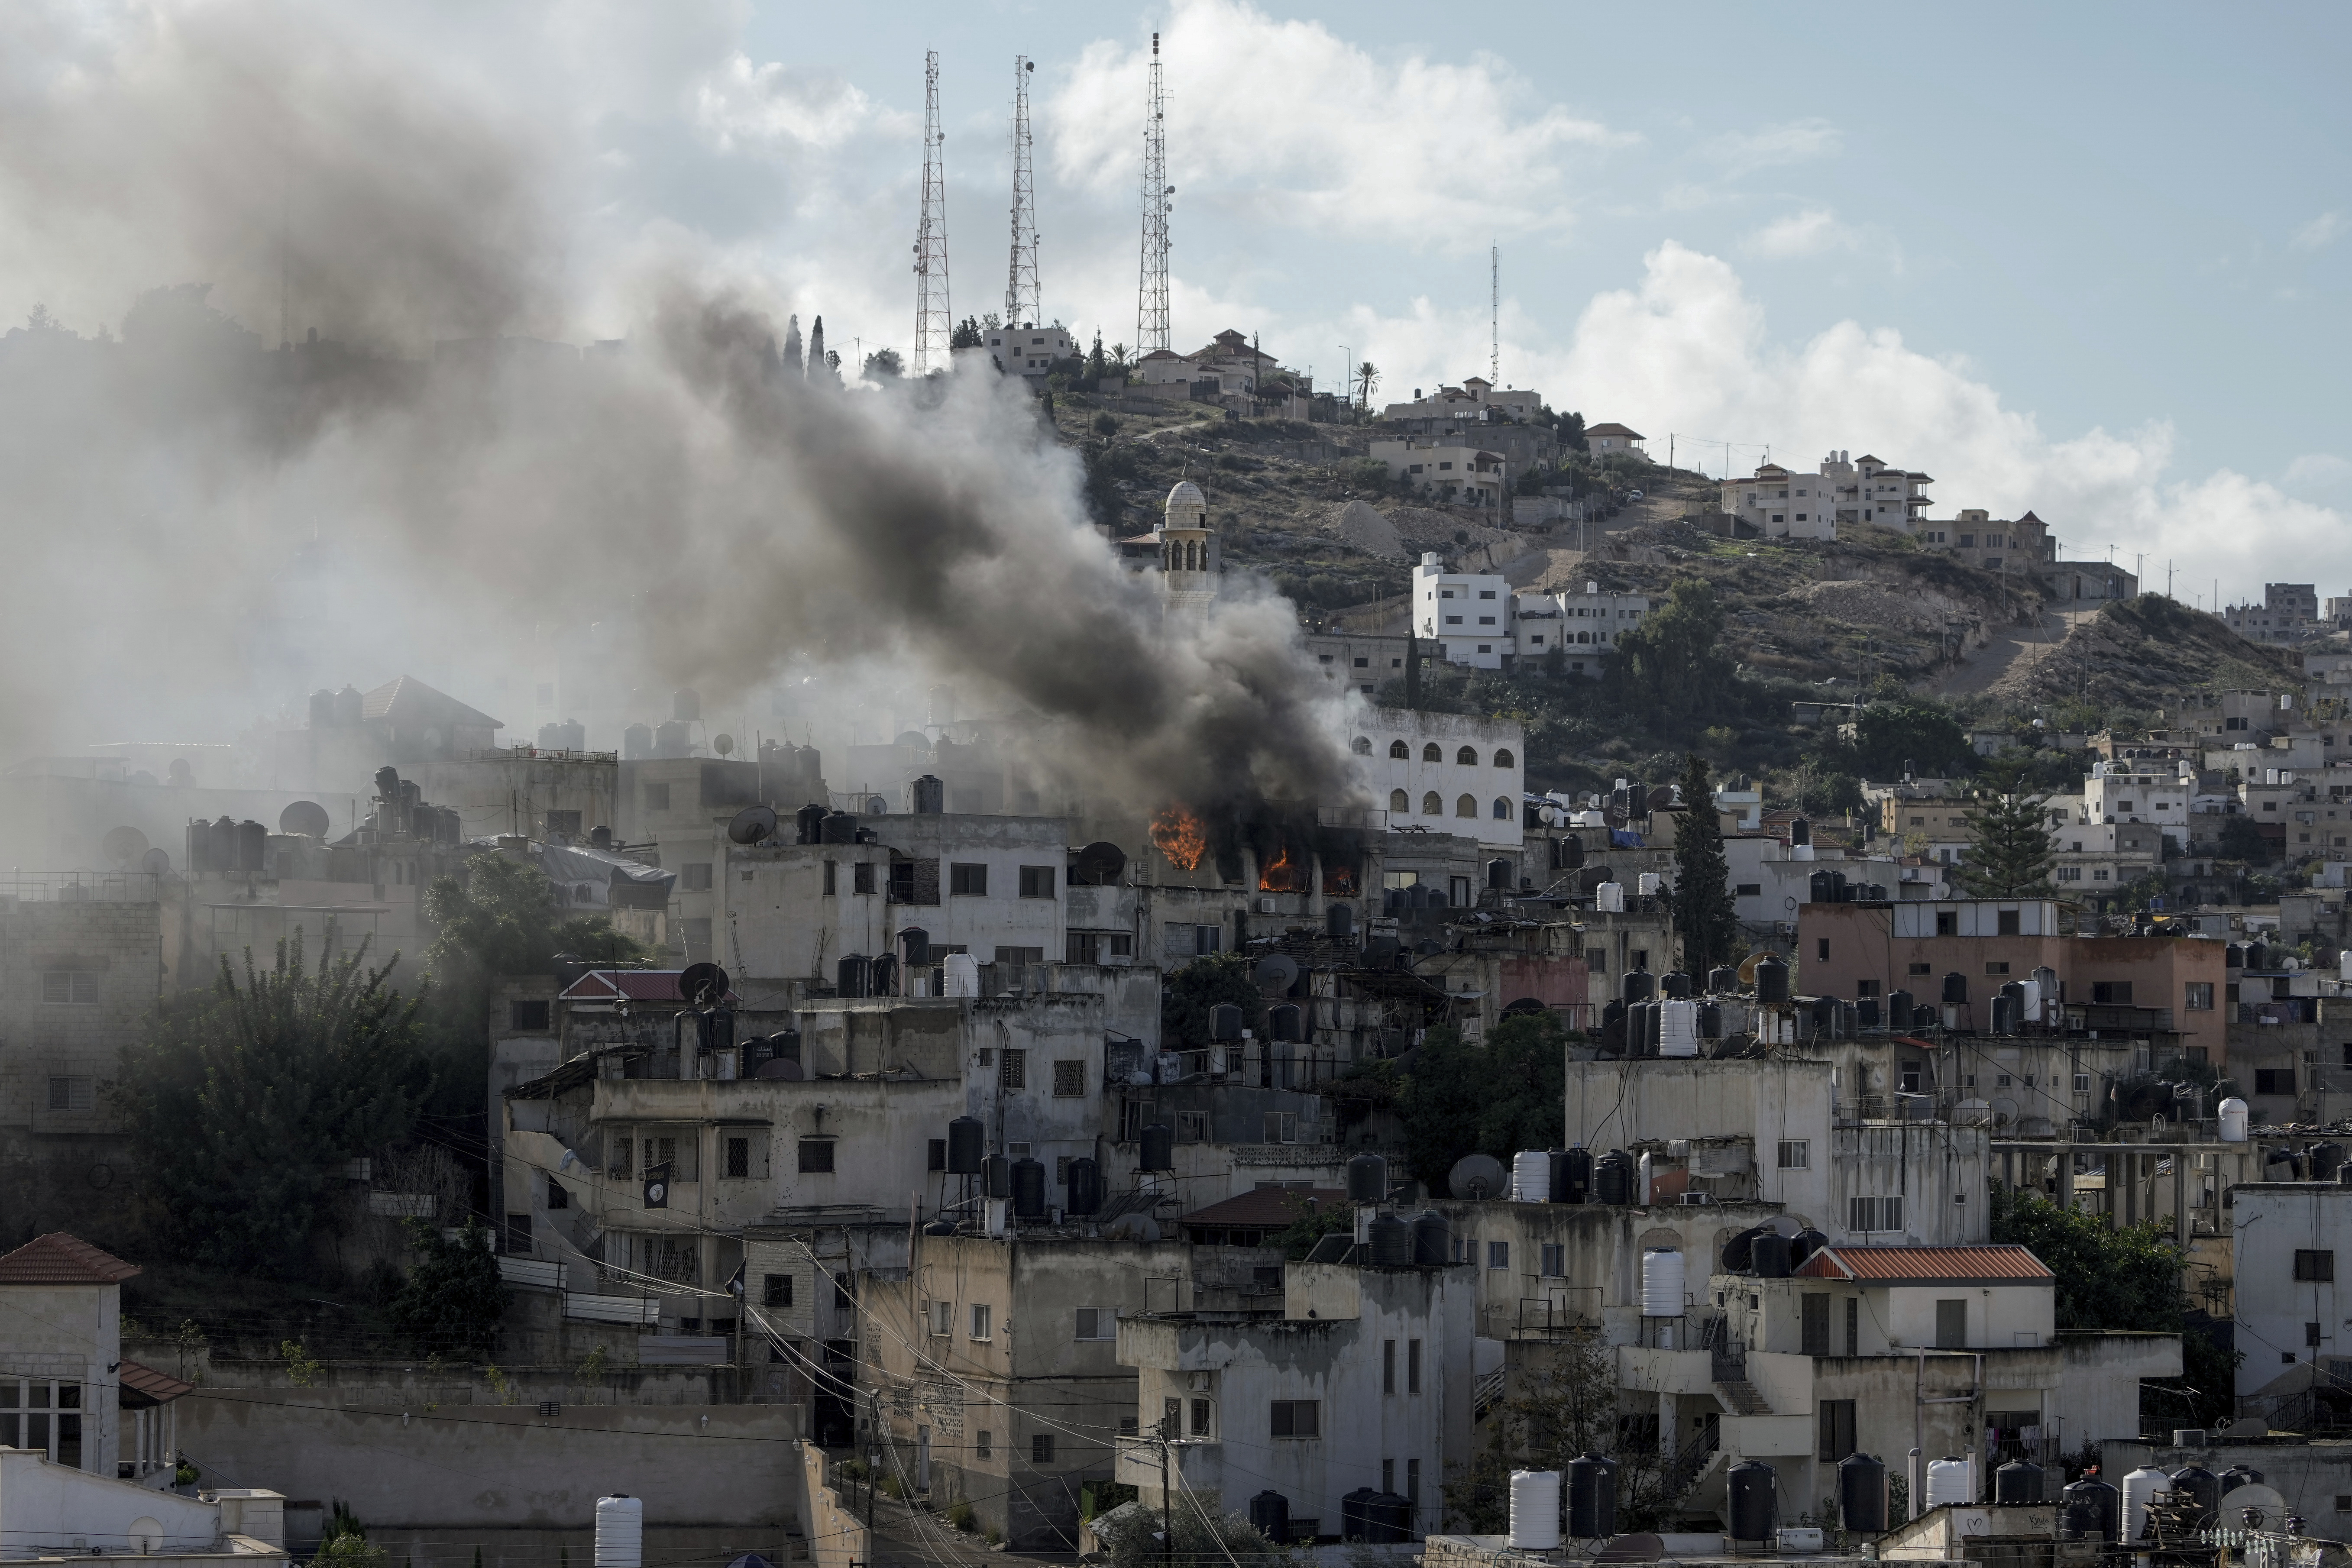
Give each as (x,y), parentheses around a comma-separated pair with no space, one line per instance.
(1640,1017)
(808,823)
(223,848)
(1433,1240)
(1862,1494)
(1755,1500)
(2326,1159)
(1612,1178)
(1825,1017)
(1898,1009)
(1592,1497)
(2018,1481)
(1739,1252)
(1956,988)
(1803,1245)
(252,845)
(929,794)
(1675,982)
(1865,1010)
(1356,1514)
(1638,985)
(1612,1027)
(1269,1515)
(1817,887)
(1769,1257)
(1772,979)
(2233,957)
(1158,1142)
(1499,876)
(2238,1476)
(1710,1020)
(1367,1179)
(1339,922)
(1391,1518)
(1282,1022)
(2202,1485)
(996,1177)
(882,979)
(2258,956)
(853,975)
(1722,980)
(1224,1022)
(1085,1195)
(1028,1189)
(1923,1016)
(1799,832)
(1571,1176)
(840,827)
(915,944)
(967,1145)
(2100,1502)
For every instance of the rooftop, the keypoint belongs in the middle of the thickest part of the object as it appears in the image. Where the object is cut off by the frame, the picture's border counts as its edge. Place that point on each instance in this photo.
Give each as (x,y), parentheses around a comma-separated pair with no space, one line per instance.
(1928,1266)
(57,1258)
(635,985)
(1265,1207)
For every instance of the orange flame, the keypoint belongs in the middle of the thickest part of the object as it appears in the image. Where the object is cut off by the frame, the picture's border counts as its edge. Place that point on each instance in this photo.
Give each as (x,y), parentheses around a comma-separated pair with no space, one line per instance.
(1177,834)
(1284,875)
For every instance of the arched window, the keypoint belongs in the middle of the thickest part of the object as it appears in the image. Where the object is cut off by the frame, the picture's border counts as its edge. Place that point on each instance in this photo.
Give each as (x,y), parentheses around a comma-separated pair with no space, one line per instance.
(1400,801)
(1400,751)
(1430,753)
(1502,809)
(1503,758)
(1466,806)
(1467,756)
(1363,745)
(1430,805)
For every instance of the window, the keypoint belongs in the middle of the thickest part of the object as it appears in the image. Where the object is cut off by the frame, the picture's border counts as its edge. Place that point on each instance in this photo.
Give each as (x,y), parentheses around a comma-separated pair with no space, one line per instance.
(1466,806)
(1011,956)
(1815,1323)
(936,1155)
(1388,1366)
(2008,922)
(42,1415)
(1430,753)
(694,876)
(1036,881)
(1201,1423)
(1069,1078)
(1866,1214)
(1412,1366)
(1363,746)
(1503,758)
(1916,969)
(1502,809)
(1013,1070)
(1822,949)
(861,876)
(697,932)
(832,877)
(1854,1325)
(1432,804)
(1097,1323)
(776,1291)
(739,1160)
(1749,890)
(2200,995)
(70,1094)
(2272,1080)
(2000,967)
(1297,1418)
(71,987)
(1467,756)
(1192,1127)
(1400,801)
(982,1316)
(656,797)
(1947,922)
(1400,751)
(1952,1325)
(1837,1429)
(968,880)
(1498,1254)
(983,1444)
(531,1017)
(942,1317)
(1552,1258)
(2314,1264)
(816,1156)
(2111,992)
(1041,1449)
(1796,1154)
(518,1240)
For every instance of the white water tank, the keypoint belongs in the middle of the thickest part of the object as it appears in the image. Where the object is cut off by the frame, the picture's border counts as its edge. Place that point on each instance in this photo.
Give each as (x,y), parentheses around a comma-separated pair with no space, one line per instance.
(1800,852)
(1648,884)
(1531,1176)
(1677,1027)
(2232,1113)
(1662,1283)
(1643,1175)
(2033,1002)
(1609,899)
(2139,1487)
(1948,1481)
(960,975)
(1535,1511)
(620,1531)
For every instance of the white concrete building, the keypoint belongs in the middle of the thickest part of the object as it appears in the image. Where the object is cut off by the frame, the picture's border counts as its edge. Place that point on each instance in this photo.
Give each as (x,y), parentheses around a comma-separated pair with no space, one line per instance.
(1787,503)
(1444,771)
(1478,620)
(2140,789)
(1602,440)
(2285,1240)
(1591,625)
(1475,396)
(1029,349)
(1467,476)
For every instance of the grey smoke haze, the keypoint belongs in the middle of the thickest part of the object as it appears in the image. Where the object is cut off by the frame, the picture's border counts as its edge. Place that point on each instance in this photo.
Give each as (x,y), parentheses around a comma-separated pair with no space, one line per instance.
(204,528)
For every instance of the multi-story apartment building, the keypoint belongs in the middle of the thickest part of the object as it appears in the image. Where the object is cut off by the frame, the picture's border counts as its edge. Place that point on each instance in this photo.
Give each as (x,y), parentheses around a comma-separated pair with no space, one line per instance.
(1785,503)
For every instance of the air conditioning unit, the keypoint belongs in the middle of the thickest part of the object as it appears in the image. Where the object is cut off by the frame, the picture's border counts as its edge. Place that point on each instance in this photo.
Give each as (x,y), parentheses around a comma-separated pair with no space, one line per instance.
(1265,906)
(1694,1200)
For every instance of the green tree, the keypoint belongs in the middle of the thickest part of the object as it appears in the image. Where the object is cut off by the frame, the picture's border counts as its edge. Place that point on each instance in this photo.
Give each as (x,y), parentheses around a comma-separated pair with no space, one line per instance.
(2011,856)
(1558,1410)
(1309,1223)
(1368,377)
(1097,365)
(1572,433)
(1138,1537)
(966,334)
(453,1299)
(2241,840)
(1909,734)
(239,1100)
(1704,915)
(883,364)
(1459,1099)
(1188,995)
(1670,665)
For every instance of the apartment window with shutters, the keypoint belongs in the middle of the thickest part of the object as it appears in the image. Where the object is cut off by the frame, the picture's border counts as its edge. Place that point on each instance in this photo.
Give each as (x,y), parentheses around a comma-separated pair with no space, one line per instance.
(982,1321)
(1816,1308)
(1796,1154)
(69,987)
(1297,1418)
(694,876)
(1412,1366)
(776,1291)
(1069,1079)
(2200,995)
(1013,1070)
(1837,1429)
(1041,1449)
(861,876)
(968,880)
(72,1093)
(2314,1263)
(1097,1323)
(1553,1257)
(1036,881)
(942,1318)
(738,1159)
(1869,1214)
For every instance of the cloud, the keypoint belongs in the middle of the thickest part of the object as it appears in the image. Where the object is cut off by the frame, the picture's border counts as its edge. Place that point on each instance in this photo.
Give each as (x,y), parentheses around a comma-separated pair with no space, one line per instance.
(1813,232)
(2321,232)
(1409,151)
(1772,147)
(774,108)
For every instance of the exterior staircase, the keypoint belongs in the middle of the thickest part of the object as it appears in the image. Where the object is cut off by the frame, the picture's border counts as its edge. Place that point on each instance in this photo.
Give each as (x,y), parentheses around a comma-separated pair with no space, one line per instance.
(1739,1396)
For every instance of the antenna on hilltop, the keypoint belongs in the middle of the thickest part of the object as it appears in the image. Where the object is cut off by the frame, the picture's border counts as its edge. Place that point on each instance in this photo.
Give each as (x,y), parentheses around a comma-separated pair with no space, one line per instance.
(1151,297)
(1022,298)
(934,322)
(1495,313)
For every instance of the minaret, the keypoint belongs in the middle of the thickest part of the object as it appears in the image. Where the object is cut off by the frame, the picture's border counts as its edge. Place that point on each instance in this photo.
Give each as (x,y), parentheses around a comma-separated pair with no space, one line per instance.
(1188,548)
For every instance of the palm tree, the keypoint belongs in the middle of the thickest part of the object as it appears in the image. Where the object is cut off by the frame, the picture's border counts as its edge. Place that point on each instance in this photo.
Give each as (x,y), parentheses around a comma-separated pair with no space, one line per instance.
(1368,377)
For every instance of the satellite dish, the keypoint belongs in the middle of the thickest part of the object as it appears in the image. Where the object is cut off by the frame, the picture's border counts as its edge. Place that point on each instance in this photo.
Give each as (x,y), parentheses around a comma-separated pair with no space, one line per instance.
(1748,967)
(702,984)
(155,862)
(2254,1494)
(1660,798)
(1639,1548)
(1786,1227)
(724,745)
(1476,1176)
(912,741)
(307,816)
(1275,971)
(782,1067)
(124,845)
(2004,1111)
(752,825)
(2141,1101)
(1100,864)
(1591,877)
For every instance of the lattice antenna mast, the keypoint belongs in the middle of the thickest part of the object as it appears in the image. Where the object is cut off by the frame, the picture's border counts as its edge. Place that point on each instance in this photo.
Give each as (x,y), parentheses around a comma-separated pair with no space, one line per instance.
(1151,298)
(1022,298)
(934,322)
(1494,315)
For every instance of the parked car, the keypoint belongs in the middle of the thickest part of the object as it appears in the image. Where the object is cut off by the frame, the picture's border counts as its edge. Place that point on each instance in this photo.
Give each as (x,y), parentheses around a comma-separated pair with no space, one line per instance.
(1633,495)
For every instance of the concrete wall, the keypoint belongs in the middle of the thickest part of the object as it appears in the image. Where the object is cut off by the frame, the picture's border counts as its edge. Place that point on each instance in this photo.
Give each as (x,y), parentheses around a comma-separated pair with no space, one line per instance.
(57,1512)
(506,1466)
(72,1335)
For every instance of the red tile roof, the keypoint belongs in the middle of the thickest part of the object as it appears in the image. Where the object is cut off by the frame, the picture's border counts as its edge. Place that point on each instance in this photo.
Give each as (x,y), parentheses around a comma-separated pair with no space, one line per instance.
(1928,1266)
(1265,1208)
(57,1258)
(636,984)
(146,1385)
(1613,431)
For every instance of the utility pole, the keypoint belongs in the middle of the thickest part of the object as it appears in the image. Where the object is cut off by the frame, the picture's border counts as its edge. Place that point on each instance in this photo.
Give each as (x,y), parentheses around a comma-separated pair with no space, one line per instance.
(1151,295)
(1023,300)
(1167,1502)
(934,322)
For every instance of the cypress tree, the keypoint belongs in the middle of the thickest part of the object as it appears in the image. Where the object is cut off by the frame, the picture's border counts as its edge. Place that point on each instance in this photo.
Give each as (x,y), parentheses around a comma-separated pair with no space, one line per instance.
(1705,916)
